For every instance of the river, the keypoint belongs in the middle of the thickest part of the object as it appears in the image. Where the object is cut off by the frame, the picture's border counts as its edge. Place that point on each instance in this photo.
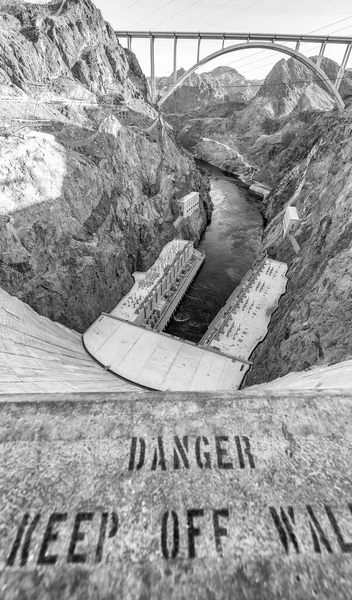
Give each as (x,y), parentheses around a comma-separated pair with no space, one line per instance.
(231,243)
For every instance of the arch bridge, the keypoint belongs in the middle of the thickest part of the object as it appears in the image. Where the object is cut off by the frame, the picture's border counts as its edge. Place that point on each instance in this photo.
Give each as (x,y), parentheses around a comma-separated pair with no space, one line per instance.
(270,41)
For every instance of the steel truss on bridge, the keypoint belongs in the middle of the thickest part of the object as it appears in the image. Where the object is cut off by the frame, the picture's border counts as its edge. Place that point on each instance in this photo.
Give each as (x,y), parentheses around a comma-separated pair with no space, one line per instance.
(247,40)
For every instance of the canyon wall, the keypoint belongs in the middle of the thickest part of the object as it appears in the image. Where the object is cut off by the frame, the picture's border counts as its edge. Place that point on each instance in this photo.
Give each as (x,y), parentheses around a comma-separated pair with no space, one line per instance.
(245,139)
(88,183)
(312,325)
(291,138)
(50,48)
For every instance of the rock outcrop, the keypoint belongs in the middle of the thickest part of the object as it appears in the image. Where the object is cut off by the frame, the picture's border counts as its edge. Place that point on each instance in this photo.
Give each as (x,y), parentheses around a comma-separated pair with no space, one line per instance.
(41,45)
(236,87)
(88,187)
(291,85)
(223,84)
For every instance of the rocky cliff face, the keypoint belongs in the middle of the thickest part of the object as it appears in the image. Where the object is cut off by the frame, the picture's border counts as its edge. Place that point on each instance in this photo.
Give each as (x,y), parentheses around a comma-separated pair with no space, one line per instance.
(290,85)
(223,84)
(236,87)
(331,68)
(49,45)
(305,153)
(197,92)
(312,325)
(239,136)
(87,193)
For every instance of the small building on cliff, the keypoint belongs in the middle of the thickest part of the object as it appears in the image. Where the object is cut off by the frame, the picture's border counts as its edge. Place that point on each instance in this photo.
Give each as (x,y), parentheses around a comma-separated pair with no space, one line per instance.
(188,204)
(291,220)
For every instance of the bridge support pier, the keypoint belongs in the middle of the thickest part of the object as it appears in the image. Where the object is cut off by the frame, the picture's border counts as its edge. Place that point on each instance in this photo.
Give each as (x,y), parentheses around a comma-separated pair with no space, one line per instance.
(246,40)
(198,48)
(321,54)
(342,68)
(152,70)
(175,59)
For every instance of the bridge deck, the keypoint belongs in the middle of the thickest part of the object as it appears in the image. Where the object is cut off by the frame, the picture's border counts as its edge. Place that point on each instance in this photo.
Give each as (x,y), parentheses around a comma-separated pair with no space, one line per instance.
(220,35)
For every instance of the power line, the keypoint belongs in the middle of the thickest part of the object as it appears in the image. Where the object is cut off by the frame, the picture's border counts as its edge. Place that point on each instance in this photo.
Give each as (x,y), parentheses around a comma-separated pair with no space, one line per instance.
(235,85)
(118,108)
(179,13)
(329,25)
(126,9)
(237,61)
(272,62)
(217,8)
(274,53)
(155,11)
(212,10)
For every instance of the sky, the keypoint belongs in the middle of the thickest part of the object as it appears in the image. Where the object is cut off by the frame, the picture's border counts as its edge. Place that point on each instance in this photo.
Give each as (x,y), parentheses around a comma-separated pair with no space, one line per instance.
(263,16)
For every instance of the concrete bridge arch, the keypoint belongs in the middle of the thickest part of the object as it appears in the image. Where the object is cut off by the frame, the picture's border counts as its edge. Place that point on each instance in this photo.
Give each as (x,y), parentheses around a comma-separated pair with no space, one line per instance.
(267,46)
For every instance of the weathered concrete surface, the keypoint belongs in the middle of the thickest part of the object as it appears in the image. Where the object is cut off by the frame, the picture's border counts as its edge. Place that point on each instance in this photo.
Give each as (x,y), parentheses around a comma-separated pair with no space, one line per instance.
(100,530)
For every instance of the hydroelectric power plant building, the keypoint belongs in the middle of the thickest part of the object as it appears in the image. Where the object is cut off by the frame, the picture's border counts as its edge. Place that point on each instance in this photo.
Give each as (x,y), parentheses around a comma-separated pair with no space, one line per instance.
(157,292)
(129,342)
